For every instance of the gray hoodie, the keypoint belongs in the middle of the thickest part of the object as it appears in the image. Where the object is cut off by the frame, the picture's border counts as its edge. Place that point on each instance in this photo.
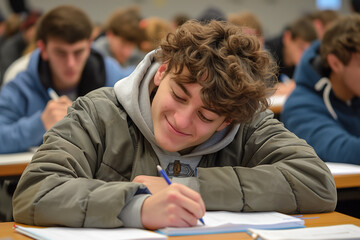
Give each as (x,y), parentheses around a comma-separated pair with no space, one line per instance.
(133,94)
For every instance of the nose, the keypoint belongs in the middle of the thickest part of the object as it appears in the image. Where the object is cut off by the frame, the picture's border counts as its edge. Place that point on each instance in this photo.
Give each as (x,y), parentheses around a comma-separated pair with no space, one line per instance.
(183,117)
(71,60)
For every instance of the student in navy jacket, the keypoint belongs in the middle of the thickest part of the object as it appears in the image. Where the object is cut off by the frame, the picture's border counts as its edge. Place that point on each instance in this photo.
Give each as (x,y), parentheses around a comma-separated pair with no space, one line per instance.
(324,109)
(63,61)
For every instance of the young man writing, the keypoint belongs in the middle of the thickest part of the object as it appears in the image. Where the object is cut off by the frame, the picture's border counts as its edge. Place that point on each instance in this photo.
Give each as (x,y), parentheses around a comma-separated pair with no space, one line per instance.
(63,61)
(195,107)
(324,109)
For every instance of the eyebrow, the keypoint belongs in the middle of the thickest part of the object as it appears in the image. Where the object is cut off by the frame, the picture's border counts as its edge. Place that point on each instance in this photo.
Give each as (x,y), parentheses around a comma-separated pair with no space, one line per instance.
(189,94)
(184,89)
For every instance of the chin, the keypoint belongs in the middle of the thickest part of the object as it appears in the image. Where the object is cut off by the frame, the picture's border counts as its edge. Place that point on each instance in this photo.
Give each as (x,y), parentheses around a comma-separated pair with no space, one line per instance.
(166,145)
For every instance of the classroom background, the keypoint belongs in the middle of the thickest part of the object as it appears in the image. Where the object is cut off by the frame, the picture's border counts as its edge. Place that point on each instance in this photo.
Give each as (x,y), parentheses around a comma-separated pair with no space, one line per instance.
(273,14)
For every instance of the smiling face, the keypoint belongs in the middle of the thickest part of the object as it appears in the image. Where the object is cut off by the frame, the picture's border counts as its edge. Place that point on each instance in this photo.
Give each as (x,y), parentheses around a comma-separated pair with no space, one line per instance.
(180,119)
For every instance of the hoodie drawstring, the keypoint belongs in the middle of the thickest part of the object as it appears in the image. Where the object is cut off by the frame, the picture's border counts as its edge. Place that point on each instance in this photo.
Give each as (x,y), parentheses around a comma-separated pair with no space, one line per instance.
(326,94)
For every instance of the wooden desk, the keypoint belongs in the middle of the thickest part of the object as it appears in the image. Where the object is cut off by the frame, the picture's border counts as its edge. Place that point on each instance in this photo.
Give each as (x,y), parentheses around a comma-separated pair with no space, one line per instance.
(14,164)
(311,220)
(277,103)
(347,181)
(345,175)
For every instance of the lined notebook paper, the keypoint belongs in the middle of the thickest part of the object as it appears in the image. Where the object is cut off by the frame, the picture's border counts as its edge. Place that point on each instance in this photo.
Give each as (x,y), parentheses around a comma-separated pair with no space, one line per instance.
(222,222)
(337,232)
(61,233)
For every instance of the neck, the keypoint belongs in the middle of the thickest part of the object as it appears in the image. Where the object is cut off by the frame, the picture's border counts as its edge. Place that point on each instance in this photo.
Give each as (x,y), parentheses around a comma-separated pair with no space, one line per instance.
(59,85)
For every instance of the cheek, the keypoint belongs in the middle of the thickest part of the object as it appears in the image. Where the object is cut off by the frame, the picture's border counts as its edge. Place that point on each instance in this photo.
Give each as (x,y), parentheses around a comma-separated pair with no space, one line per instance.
(204,131)
(352,80)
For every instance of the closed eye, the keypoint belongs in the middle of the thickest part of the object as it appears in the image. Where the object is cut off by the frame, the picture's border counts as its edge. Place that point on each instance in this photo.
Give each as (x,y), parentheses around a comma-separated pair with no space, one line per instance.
(176,97)
(203,118)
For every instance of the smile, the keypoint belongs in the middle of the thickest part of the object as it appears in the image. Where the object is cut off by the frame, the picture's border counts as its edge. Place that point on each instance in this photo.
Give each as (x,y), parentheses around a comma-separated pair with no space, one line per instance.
(174,130)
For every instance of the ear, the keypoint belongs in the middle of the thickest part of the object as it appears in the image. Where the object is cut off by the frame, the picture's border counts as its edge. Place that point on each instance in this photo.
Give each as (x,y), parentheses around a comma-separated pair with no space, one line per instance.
(335,64)
(226,123)
(42,46)
(286,37)
(160,73)
(319,27)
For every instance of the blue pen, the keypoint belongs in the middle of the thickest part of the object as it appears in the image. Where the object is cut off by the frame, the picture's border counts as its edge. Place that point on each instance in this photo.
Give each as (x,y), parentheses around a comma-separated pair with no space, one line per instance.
(165,176)
(53,95)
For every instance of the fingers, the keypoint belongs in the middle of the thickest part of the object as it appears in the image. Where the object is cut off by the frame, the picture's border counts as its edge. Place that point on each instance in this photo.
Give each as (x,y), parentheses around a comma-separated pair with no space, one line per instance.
(180,217)
(174,206)
(54,111)
(189,200)
(63,100)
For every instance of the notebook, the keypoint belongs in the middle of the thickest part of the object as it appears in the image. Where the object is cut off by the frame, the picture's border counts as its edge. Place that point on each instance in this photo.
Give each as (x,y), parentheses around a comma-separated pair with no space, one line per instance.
(224,222)
(61,233)
(337,232)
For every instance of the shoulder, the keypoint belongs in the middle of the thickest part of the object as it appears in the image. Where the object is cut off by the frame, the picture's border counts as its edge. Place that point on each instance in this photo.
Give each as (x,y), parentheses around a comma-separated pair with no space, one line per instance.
(303,98)
(100,100)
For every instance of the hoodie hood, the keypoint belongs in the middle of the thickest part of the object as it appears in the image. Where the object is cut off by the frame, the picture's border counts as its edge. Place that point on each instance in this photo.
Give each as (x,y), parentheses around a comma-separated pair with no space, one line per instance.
(310,75)
(133,94)
(309,71)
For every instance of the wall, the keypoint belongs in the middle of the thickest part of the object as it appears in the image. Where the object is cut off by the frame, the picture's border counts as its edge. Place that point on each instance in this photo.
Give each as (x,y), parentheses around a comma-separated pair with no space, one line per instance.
(274,14)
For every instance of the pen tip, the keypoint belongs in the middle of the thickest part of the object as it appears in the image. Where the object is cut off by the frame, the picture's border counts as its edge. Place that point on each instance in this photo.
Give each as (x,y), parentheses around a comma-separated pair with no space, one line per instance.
(158,167)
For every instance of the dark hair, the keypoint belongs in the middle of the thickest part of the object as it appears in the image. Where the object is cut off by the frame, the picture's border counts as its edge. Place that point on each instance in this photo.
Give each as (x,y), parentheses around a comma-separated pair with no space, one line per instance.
(341,39)
(355,4)
(230,65)
(67,23)
(304,29)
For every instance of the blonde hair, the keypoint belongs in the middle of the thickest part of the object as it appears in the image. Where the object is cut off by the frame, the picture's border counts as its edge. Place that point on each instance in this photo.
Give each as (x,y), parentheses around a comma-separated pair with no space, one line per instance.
(247,19)
(155,30)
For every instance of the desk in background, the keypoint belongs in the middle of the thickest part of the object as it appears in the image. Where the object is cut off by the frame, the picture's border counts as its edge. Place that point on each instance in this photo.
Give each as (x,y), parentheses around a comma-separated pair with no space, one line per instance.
(345,175)
(276,103)
(311,220)
(14,164)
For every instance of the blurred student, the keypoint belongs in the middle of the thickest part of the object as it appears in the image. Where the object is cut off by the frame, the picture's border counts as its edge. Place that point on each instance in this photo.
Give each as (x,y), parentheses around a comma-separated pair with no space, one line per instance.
(11,26)
(123,36)
(211,13)
(355,6)
(2,27)
(14,47)
(249,23)
(322,20)
(197,107)
(324,109)
(178,20)
(155,29)
(288,48)
(64,62)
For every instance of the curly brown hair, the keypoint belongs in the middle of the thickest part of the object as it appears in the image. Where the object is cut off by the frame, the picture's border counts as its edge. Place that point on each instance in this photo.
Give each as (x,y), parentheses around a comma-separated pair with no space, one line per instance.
(341,39)
(232,68)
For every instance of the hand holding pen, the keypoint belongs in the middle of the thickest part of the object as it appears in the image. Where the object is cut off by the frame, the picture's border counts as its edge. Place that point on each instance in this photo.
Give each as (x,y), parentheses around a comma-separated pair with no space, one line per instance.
(55,109)
(165,176)
(175,206)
